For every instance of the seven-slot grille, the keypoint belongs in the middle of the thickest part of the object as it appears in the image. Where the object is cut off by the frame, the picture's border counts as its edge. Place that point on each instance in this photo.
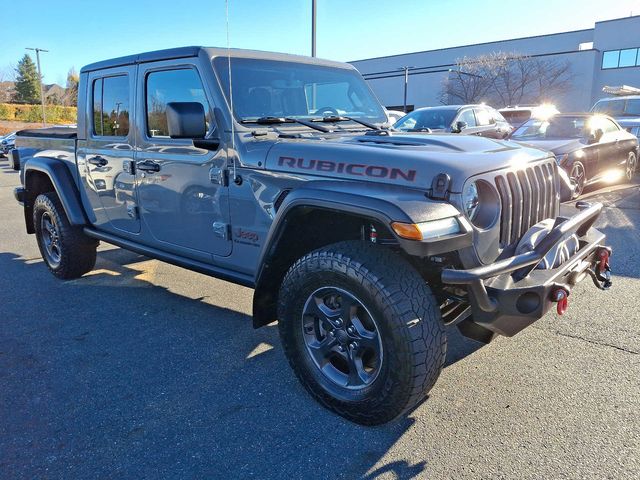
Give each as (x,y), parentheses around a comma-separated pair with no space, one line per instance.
(528,196)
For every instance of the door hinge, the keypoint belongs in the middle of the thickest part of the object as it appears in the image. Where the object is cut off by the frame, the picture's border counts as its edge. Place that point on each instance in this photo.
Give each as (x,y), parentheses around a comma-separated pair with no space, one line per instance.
(132,211)
(222,230)
(219,176)
(129,166)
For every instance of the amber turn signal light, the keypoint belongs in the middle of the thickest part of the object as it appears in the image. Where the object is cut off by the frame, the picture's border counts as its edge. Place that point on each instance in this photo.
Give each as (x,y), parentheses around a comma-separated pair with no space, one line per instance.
(410,231)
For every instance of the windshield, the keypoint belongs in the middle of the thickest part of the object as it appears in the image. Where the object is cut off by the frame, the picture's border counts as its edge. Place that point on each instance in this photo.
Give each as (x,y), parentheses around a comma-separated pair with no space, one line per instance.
(433,119)
(268,88)
(618,107)
(516,117)
(554,127)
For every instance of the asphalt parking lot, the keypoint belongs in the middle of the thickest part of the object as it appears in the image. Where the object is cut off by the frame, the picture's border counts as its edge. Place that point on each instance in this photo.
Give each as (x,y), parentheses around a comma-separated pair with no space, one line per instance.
(144,370)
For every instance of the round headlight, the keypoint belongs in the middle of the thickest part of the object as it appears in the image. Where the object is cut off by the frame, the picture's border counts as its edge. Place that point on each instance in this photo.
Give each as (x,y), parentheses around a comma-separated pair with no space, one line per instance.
(470,200)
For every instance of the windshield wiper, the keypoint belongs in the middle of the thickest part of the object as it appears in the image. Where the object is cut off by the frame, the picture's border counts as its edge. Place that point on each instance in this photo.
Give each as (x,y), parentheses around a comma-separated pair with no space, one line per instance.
(340,118)
(277,120)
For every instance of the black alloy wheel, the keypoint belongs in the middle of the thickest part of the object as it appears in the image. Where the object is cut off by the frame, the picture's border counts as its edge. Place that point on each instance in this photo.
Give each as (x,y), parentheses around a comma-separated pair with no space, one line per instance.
(341,337)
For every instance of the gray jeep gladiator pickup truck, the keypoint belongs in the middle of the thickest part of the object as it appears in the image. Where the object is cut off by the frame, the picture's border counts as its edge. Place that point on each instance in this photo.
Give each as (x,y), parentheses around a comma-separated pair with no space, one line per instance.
(279,173)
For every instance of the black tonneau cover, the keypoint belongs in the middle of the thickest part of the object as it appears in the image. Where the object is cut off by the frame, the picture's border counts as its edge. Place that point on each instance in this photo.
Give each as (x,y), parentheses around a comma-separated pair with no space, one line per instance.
(51,132)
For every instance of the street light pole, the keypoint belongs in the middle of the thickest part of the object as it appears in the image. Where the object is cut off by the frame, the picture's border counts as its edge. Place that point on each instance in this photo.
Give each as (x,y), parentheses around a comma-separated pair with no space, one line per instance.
(38,50)
(406,86)
(313,28)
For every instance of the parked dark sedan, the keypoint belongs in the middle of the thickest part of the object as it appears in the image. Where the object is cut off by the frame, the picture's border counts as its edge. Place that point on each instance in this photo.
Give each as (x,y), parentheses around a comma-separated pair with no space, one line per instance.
(588,147)
(466,119)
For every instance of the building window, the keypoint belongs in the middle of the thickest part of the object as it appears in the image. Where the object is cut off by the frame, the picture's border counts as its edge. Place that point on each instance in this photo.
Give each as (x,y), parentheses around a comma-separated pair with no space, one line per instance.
(610,59)
(629,57)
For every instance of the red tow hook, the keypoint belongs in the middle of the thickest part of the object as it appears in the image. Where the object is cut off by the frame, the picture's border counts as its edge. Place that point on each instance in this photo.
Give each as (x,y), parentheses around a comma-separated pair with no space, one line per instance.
(561,297)
(603,263)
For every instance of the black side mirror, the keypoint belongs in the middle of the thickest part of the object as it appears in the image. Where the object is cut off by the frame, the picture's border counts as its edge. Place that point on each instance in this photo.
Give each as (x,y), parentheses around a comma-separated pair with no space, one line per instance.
(596,136)
(459,126)
(186,120)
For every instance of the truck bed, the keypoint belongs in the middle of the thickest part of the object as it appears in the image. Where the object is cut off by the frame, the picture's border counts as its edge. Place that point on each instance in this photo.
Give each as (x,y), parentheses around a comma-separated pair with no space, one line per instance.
(50,132)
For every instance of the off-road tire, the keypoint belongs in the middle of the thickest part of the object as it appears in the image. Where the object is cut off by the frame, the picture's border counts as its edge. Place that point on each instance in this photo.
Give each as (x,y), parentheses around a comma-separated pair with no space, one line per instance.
(77,252)
(407,316)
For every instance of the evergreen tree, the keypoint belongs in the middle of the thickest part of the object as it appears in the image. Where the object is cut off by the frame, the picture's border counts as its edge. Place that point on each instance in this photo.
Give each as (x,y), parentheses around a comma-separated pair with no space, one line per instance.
(27,81)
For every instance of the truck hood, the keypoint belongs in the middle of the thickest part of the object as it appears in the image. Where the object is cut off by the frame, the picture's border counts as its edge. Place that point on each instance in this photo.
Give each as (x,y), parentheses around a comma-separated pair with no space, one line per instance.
(400,159)
(557,147)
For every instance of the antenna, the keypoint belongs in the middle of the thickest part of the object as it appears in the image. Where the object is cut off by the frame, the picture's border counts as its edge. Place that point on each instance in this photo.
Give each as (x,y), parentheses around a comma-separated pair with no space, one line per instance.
(233,133)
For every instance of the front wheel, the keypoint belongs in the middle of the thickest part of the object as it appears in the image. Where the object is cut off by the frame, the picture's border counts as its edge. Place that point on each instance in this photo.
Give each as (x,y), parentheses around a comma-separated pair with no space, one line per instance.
(361,330)
(631,166)
(579,177)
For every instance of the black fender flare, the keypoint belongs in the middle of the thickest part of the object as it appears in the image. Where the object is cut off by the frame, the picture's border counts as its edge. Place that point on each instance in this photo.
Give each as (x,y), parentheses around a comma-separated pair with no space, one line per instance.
(63,184)
(379,202)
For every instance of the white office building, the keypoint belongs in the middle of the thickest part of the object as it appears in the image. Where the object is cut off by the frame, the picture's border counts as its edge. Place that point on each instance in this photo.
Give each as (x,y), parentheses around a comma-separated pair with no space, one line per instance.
(608,54)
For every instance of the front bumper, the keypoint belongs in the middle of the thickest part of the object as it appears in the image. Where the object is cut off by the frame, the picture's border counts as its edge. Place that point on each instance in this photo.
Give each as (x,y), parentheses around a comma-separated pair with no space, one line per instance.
(20,195)
(511,294)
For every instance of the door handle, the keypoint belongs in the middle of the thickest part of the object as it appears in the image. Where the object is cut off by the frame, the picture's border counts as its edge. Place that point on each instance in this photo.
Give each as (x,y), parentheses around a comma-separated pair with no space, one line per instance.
(98,161)
(148,166)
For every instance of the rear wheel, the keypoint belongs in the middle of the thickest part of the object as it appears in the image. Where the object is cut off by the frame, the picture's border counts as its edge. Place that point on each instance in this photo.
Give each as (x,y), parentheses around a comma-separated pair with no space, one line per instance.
(631,166)
(361,330)
(66,250)
(579,176)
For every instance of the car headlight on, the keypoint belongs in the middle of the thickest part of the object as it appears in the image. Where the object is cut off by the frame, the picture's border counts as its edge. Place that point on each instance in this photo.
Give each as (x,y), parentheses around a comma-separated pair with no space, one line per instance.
(470,200)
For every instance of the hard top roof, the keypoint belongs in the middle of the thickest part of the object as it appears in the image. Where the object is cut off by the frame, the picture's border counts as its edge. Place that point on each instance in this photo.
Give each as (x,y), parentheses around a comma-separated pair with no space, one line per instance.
(450,107)
(185,52)
(620,97)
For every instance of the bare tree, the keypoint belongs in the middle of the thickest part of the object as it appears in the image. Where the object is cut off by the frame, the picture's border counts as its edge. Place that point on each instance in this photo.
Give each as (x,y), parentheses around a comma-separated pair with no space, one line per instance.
(7,78)
(71,93)
(502,79)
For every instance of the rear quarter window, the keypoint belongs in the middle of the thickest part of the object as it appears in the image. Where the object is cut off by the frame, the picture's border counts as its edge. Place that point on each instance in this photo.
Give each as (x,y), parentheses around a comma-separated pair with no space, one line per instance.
(111,106)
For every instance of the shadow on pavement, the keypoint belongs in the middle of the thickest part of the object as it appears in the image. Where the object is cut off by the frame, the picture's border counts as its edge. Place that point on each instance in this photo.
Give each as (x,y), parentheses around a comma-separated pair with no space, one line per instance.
(622,203)
(111,376)
(5,166)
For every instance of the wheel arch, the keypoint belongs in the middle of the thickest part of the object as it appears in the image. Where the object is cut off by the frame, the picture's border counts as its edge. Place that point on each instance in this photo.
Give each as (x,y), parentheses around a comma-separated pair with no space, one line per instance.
(44,174)
(328,212)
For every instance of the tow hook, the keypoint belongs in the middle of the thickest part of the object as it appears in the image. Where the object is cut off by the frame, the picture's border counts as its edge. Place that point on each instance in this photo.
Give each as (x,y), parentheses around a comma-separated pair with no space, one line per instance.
(602,275)
(561,297)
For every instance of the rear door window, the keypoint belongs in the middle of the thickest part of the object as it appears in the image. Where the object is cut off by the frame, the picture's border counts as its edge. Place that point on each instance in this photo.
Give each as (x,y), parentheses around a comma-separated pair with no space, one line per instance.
(111,106)
(165,86)
(468,117)
(483,117)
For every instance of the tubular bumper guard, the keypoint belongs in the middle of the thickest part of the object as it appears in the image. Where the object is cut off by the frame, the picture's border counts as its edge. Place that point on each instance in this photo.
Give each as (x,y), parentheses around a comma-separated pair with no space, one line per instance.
(511,294)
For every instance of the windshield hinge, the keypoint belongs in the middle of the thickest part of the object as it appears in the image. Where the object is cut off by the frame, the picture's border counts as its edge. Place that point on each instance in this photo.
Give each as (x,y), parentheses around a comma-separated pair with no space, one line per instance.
(440,186)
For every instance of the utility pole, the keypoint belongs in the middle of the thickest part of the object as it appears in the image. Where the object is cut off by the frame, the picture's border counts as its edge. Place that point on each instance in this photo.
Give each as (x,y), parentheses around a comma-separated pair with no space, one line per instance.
(38,50)
(406,86)
(313,28)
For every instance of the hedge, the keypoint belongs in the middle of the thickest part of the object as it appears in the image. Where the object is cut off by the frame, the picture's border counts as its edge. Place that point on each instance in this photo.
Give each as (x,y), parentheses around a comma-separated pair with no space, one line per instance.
(33,113)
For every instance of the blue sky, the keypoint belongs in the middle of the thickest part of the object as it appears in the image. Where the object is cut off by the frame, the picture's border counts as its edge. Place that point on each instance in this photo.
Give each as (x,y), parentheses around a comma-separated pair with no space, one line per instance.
(78,32)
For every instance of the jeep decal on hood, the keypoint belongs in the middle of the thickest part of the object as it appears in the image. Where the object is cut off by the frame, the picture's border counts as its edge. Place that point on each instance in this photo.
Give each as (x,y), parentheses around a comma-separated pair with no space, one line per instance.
(355,169)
